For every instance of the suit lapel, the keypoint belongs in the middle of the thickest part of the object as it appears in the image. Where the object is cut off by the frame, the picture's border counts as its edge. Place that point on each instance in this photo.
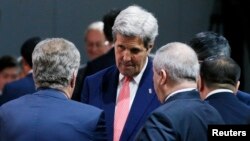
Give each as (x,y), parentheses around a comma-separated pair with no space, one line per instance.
(145,95)
(109,88)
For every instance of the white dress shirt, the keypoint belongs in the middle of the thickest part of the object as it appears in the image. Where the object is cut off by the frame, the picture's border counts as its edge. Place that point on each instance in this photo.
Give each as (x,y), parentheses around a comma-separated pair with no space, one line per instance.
(133,84)
(218,91)
(179,91)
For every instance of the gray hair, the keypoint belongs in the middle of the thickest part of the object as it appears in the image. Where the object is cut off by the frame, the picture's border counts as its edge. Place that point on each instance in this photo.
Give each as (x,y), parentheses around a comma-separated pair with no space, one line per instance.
(98,25)
(54,62)
(136,21)
(179,60)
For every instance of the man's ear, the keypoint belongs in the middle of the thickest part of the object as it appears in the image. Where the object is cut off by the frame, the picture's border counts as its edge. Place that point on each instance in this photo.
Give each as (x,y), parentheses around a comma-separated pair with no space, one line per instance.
(73,80)
(150,46)
(200,84)
(237,87)
(164,77)
(201,87)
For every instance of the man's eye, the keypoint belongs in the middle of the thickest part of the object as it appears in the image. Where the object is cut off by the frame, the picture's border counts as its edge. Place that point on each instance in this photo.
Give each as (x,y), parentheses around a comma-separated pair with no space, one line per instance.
(135,51)
(121,47)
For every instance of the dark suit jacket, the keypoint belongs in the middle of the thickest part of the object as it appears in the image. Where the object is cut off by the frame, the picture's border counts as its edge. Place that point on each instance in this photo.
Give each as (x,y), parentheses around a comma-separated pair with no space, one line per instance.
(100,90)
(48,115)
(183,117)
(18,88)
(231,109)
(79,83)
(101,62)
(92,67)
(243,97)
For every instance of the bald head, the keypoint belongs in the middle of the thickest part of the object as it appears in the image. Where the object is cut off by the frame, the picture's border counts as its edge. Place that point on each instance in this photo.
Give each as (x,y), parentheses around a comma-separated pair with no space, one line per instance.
(179,60)
(175,67)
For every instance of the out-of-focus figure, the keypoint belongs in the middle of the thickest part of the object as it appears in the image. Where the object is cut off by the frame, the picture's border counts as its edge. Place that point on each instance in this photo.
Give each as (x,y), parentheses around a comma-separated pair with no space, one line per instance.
(8,70)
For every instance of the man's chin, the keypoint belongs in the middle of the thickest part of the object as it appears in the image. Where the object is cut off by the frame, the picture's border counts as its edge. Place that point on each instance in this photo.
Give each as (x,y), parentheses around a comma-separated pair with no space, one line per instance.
(127,73)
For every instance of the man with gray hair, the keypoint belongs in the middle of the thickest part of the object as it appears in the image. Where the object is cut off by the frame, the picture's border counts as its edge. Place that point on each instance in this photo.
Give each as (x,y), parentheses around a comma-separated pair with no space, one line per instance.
(125,90)
(95,40)
(183,116)
(41,115)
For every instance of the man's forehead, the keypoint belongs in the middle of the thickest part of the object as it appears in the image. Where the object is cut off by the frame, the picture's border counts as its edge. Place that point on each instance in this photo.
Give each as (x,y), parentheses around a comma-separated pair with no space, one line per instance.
(8,70)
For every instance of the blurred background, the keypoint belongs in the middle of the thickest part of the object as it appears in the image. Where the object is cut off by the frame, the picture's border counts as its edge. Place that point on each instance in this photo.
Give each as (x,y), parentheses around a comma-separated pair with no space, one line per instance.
(178,20)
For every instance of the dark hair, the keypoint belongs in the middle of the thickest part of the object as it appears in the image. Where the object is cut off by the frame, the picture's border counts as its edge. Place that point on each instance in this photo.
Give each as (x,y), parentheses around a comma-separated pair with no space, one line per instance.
(7,62)
(109,20)
(220,71)
(207,44)
(28,47)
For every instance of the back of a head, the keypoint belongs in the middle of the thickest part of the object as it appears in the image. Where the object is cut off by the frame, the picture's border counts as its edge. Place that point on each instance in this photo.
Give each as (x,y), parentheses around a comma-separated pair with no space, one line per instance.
(28,47)
(136,22)
(7,62)
(108,20)
(207,44)
(54,62)
(179,61)
(220,72)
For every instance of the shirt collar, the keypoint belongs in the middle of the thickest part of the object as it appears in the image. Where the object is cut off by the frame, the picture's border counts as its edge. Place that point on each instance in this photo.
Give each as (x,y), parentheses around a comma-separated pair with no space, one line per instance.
(138,77)
(179,91)
(31,71)
(218,91)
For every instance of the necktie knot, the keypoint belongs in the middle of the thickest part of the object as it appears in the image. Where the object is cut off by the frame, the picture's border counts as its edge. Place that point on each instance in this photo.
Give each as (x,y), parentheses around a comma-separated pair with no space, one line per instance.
(127,79)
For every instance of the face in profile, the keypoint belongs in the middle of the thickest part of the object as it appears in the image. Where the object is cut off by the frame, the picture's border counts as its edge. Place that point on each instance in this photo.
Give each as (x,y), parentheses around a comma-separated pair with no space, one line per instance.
(95,44)
(8,75)
(130,55)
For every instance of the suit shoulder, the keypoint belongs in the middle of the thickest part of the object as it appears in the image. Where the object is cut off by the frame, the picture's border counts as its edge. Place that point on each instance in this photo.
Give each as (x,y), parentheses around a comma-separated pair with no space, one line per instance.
(241,93)
(243,97)
(85,107)
(14,83)
(15,102)
(188,110)
(102,73)
(177,106)
(110,55)
(98,60)
(101,62)
(20,82)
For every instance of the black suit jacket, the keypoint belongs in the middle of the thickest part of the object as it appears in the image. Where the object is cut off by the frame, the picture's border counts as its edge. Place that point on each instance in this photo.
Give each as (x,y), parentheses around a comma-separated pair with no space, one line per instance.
(243,97)
(231,109)
(183,117)
(92,67)
(79,82)
(101,62)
